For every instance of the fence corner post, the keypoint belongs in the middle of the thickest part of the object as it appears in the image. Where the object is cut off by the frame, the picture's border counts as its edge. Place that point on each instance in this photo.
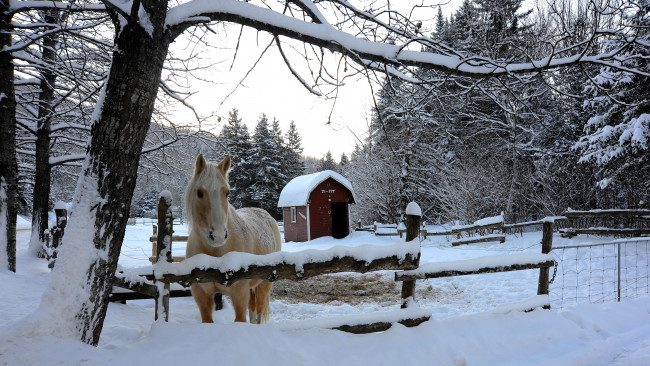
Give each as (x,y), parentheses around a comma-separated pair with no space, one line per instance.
(164,249)
(547,246)
(413,216)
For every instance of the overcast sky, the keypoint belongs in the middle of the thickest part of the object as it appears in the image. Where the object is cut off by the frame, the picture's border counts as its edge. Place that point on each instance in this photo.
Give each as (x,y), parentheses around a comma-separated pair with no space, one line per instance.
(270,88)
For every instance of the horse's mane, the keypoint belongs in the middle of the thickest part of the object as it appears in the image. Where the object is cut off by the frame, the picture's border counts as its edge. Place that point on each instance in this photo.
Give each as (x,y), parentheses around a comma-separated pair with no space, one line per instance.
(207,179)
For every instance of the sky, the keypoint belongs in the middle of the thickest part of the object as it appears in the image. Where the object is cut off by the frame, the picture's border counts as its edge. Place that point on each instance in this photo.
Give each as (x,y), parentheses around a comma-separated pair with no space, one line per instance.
(325,124)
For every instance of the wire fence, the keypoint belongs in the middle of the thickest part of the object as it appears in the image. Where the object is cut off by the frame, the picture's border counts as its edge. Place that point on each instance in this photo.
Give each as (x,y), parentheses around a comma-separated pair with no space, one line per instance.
(598,273)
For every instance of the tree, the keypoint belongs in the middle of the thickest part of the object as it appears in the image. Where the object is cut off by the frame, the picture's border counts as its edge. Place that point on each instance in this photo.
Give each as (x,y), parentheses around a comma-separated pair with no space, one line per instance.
(344,161)
(294,160)
(239,145)
(618,130)
(327,162)
(268,179)
(8,162)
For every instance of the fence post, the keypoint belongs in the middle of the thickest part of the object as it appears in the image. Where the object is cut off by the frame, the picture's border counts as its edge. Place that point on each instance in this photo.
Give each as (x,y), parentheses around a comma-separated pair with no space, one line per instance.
(618,275)
(413,216)
(164,249)
(57,231)
(547,246)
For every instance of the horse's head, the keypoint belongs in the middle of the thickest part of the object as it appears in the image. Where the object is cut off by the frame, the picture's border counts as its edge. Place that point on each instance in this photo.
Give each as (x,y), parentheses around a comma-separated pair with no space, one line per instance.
(206,200)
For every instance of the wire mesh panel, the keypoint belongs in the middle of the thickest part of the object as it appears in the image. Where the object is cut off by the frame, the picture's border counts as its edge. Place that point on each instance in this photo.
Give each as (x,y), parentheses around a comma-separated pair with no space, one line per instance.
(601,272)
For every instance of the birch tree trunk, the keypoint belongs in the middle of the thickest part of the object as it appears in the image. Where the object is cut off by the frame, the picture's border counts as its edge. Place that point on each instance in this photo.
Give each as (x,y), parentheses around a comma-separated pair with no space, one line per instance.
(91,244)
(8,164)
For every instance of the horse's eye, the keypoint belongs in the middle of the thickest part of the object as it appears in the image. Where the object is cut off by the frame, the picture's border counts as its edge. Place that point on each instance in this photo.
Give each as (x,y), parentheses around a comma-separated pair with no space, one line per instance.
(199,193)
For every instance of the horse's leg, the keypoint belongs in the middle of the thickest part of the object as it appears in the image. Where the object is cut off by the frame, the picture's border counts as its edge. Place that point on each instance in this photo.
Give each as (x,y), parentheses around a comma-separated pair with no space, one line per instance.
(252,315)
(204,301)
(258,307)
(240,295)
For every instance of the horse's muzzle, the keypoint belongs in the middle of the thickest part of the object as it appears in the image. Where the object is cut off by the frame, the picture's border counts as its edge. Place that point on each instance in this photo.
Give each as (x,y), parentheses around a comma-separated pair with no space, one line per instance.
(213,238)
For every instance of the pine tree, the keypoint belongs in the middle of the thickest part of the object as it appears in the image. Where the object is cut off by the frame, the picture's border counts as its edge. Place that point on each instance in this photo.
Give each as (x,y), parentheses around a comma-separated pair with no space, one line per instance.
(294,159)
(618,130)
(236,138)
(344,162)
(268,179)
(328,163)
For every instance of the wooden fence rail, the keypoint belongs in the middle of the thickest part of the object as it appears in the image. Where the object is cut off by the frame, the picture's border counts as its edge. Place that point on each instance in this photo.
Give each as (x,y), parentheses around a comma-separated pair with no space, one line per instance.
(155,281)
(294,266)
(614,222)
(493,264)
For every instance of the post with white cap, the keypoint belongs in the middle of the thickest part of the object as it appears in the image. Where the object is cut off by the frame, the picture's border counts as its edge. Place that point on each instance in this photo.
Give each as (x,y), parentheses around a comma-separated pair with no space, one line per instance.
(164,251)
(413,216)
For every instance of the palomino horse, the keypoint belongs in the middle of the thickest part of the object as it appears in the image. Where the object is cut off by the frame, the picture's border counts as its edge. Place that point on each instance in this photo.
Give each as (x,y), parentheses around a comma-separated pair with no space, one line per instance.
(216,228)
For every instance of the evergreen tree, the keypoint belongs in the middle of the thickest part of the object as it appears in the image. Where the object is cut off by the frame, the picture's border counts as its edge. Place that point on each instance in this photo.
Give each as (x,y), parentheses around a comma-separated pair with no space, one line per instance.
(294,159)
(268,179)
(236,138)
(618,130)
(327,163)
(344,162)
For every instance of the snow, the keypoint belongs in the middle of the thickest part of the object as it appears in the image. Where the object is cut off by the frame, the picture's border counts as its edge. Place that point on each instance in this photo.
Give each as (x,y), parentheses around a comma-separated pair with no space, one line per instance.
(475,320)
(60,205)
(481,222)
(234,261)
(475,264)
(167,196)
(296,192)
(413,209)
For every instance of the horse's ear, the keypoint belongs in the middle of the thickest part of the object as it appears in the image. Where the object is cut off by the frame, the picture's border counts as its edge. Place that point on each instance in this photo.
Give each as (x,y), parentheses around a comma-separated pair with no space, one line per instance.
(224,165)
(200,165)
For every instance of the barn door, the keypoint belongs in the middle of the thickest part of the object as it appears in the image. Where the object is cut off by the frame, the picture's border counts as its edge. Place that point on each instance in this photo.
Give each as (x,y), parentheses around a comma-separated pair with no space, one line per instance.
(340,227)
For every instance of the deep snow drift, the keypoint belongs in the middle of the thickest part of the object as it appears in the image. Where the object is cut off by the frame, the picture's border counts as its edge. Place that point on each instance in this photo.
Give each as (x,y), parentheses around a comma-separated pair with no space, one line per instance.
(471,322)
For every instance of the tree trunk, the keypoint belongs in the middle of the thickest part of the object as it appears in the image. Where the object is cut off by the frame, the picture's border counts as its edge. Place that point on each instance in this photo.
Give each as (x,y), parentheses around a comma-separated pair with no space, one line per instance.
(103,197)
(42,176)
(8,163)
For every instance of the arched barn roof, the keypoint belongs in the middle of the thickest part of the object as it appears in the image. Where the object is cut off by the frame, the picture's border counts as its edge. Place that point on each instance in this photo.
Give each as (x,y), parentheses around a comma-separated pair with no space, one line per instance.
(296,192)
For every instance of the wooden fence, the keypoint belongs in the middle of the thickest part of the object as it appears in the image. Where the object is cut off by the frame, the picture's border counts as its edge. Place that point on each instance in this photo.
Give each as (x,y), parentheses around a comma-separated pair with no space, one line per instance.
(614,222)
(156,281)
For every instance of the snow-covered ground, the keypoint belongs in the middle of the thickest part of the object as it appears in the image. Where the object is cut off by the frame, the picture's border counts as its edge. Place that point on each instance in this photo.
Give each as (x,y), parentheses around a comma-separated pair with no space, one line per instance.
(471,323)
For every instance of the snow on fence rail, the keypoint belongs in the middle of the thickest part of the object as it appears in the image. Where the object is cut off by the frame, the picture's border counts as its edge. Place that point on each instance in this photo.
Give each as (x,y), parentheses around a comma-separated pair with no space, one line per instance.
(614,222)
(235,266)
(491,264)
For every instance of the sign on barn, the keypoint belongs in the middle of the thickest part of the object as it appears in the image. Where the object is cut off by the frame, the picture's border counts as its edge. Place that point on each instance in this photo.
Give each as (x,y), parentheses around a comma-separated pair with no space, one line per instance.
(316,205)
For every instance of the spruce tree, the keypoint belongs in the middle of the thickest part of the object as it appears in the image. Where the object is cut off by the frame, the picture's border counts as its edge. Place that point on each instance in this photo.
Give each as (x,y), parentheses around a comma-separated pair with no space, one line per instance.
(236,138)
(344,161)
(294,159)
(328,163)
(268,179)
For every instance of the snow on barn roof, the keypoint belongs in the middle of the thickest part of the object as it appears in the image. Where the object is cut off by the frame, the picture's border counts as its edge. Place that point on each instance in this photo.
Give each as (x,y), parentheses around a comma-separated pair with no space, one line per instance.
(296,192)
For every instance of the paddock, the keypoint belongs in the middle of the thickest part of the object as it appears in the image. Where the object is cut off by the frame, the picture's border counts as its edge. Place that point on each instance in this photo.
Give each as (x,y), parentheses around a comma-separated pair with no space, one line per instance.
(403,258)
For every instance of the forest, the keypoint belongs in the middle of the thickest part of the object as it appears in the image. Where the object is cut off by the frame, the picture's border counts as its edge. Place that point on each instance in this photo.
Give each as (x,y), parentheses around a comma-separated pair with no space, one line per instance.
(575,138)
(497,108)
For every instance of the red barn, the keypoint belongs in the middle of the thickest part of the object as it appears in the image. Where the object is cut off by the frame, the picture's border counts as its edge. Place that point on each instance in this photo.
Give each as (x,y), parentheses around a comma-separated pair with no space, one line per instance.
(316,205)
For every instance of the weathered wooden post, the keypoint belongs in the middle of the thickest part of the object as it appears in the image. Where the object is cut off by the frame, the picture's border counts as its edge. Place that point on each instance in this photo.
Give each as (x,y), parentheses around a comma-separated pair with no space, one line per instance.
(164,250)
(57,231)
(413,216)
(547,246)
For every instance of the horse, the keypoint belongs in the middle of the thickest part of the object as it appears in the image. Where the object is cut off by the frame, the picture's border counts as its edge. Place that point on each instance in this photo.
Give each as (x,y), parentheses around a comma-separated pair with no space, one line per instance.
(217,228)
